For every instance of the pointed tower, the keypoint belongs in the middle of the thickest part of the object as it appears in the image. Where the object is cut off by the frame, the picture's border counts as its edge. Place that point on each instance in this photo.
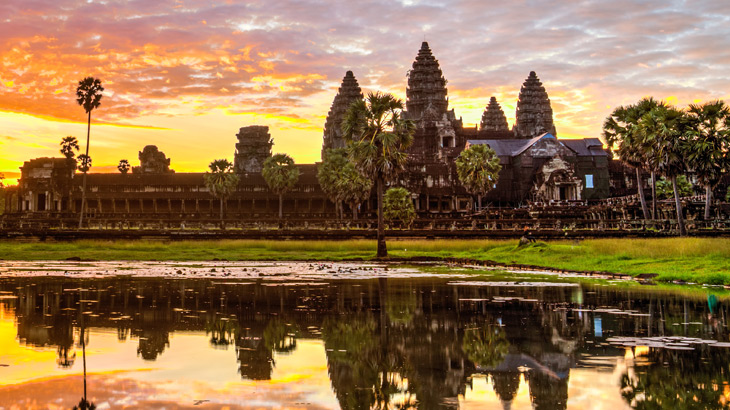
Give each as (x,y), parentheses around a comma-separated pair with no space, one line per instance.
(534,115)
(426,92)
(493,118)
(349,91)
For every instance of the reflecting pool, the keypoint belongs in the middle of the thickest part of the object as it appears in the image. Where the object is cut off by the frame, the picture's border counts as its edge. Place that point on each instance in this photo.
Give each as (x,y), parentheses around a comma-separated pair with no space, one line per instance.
(426,342)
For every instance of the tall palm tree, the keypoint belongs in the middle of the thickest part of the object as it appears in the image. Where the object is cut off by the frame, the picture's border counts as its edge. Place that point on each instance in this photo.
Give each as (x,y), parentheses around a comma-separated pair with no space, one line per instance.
(281,175)
(378,138)
(709,144)
(478,169)
(621,133)
(666,129)
(88,95)
(221,181)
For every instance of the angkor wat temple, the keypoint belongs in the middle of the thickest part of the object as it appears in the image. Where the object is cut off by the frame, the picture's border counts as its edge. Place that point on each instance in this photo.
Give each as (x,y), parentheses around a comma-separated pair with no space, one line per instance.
(537,167)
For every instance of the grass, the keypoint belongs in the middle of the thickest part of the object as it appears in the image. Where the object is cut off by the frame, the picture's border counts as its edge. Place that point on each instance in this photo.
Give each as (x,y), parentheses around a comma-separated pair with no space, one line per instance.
(699,260)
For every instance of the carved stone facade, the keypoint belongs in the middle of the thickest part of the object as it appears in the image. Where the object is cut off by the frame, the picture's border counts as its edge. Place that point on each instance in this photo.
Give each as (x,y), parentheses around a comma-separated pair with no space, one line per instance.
(348,92)
(534,116)
(152,161)
(493,118)
(253,147)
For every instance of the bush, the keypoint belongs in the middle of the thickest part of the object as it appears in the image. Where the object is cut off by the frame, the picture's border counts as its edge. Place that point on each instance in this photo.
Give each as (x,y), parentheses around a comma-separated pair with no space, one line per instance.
(664,188)
(398,207)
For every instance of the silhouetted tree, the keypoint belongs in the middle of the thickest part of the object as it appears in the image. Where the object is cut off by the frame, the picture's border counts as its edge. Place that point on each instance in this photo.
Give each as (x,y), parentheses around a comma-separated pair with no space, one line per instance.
(281,175)
(221,181)
(379,137)
(123,166)
(88,95)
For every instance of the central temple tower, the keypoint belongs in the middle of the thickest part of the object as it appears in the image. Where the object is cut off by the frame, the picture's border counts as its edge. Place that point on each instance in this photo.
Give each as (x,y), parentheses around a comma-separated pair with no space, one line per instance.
(426,87)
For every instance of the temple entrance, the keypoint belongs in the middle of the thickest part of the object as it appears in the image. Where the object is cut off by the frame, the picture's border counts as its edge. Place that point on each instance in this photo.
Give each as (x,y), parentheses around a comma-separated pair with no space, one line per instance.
(41,204)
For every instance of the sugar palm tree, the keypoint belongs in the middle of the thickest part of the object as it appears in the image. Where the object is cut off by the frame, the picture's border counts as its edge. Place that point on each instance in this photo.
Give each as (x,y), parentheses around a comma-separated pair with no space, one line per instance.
(221,181)
(666,129)
(88,95)
(621,134)
(69,147)
(478,170)
(123,166)
(378,137)
(341,181)
(709,144)
(329,171)
(281,175)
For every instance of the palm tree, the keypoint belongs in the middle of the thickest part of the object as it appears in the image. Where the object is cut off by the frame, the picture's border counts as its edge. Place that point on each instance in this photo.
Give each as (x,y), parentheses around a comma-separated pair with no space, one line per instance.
(665,128)
(69,145)
(341,181)
(329,173)
(354,186)
(709,144)
(378,141)
(478,169)
(621,132)
(281,175)
(221,181)
(88,95)
(123,166)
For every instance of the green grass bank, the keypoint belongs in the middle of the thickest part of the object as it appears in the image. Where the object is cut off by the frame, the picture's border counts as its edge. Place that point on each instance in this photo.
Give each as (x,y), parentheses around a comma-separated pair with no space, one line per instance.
(700,260)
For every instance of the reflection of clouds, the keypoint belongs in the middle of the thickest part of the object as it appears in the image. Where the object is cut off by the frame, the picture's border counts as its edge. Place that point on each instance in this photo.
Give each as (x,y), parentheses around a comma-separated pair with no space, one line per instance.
(119,391)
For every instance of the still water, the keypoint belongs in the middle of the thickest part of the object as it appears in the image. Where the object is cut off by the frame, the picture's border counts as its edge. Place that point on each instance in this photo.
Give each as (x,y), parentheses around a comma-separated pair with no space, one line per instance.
(382,343)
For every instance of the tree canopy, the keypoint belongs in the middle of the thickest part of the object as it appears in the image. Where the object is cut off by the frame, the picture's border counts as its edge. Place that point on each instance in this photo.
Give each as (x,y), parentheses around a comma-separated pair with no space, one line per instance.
(478,170)
(281,175)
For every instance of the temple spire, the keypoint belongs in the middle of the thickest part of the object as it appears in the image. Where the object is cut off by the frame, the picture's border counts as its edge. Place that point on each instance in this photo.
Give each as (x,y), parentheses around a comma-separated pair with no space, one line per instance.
(348,92)
(534,115)
(493,118)
(426,86)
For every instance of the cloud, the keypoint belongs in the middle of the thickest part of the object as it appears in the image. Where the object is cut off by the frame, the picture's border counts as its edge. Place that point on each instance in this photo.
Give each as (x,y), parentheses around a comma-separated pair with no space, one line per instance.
(285,58)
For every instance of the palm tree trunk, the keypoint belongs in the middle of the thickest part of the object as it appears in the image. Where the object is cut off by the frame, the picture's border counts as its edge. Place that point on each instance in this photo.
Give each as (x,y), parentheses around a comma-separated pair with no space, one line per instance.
(382,248)
(354,211)
(708,201)
(83,349)
(640,189)
(221,211)
(680,217)
(653,195)
(83,187)
(281,209)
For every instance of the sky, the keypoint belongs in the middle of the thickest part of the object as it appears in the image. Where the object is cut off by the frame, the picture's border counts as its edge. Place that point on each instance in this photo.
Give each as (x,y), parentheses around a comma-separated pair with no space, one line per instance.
(185,75)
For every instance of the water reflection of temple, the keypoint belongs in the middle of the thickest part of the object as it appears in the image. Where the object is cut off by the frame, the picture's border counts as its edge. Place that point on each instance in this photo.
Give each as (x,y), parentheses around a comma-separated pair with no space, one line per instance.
(417,342)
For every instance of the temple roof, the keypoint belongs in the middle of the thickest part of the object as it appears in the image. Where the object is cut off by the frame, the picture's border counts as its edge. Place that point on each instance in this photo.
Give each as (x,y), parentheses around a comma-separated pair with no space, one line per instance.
(514,147)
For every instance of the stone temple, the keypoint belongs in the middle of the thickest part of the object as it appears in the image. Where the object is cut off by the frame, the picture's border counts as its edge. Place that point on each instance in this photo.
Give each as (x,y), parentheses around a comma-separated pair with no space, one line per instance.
(537,166)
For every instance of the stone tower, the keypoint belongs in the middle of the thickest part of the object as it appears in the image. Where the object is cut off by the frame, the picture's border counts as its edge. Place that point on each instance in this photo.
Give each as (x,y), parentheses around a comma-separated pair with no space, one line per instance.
(426,87)
(253,147)
(493,118)
(152,161)
(534,115)
(349,91)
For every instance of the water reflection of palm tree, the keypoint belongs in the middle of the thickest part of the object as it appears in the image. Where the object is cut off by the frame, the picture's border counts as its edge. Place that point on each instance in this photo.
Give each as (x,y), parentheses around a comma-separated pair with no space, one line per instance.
(84,403)
(222,332)
(486,345)
(701,383)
